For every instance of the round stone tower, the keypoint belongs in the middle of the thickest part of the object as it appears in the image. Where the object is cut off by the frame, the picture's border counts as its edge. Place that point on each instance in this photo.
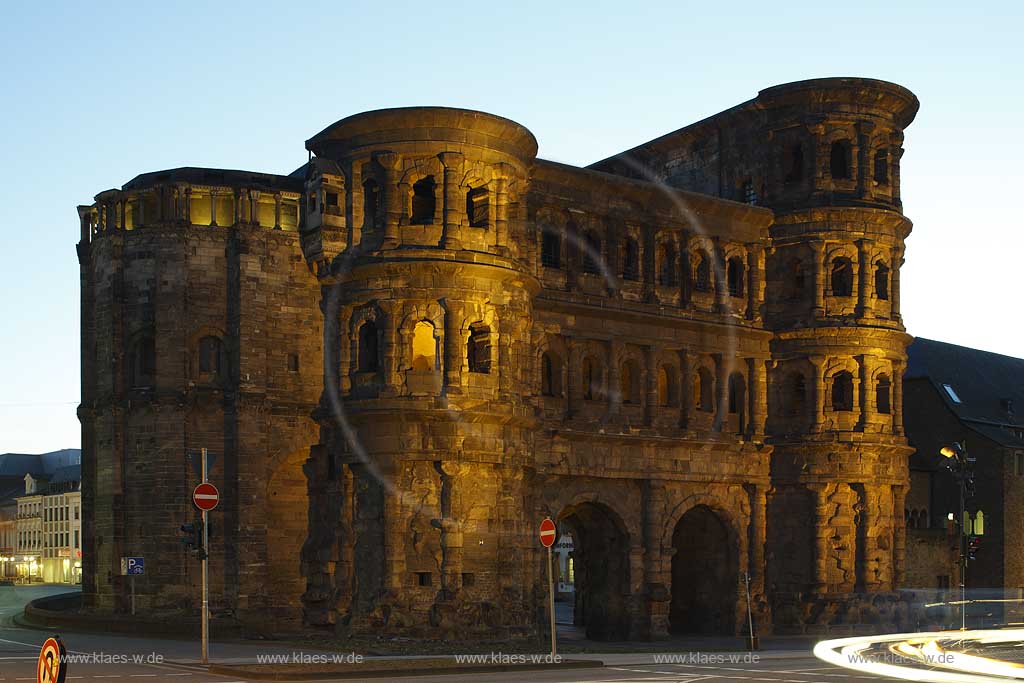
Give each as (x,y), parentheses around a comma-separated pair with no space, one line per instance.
(839,349)
(415,226)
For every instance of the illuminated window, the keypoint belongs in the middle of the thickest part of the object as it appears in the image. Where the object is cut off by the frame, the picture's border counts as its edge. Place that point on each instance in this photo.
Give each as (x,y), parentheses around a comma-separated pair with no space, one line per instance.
(952,394)
(424,347)
(477,207)
(478,349)
(667,389)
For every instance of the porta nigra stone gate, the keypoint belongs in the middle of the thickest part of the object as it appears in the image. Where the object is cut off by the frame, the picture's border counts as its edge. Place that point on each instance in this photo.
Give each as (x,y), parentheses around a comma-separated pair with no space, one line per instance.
(408,352)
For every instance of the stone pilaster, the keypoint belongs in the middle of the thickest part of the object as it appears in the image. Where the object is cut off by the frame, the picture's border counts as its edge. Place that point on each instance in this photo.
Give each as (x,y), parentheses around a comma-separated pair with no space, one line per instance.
(454,203)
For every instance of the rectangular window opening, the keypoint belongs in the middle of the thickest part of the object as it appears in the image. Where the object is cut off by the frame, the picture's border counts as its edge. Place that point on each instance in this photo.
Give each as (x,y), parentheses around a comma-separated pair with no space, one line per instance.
(423,579)
(952,394)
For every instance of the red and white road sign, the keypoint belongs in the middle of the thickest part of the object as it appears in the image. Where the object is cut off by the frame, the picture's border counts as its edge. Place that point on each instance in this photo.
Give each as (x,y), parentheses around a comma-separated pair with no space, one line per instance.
(51,667)
(547,533)
(206,496)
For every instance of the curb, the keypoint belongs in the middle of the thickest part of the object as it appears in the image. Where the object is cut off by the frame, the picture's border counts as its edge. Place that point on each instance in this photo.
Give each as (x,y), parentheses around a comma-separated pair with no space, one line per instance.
(241,671)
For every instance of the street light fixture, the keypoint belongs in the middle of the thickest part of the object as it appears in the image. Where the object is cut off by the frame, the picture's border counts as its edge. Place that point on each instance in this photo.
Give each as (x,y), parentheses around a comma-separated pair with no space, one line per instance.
(960,464)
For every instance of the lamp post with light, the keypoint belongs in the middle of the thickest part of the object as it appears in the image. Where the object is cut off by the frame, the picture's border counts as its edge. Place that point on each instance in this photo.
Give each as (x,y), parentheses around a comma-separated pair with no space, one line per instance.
(961,465)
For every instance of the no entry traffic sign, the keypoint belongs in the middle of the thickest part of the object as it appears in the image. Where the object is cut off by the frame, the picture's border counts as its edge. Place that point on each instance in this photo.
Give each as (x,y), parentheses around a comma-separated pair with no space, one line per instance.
(206,496)
(51,667)
(547,533)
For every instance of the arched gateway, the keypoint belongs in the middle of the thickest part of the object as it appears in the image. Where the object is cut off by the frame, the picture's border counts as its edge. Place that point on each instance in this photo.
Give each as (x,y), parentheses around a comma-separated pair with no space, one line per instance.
(704,575)
(601,570)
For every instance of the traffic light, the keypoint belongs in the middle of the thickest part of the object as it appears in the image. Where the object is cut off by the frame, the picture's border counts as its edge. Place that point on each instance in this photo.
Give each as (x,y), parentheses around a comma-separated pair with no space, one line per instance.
(192,537)
(973,543)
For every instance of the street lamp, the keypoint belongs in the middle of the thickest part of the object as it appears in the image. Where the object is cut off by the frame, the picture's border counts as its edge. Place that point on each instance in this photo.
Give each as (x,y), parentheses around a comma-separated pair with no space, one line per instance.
(960,464)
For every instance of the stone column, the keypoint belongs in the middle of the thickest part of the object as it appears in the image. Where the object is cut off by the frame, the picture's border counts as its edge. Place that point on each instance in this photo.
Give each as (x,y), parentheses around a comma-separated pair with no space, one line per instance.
(187,213)
(757,534)
(450,525)
(818,421)
(864,397)
(277,210)
(501,205)
(613,389)
(685,389)
(755,259)
(651,398)
(453,346)
(454,202)
(254,207)
(394,538)
(393,200)
(718,276)
(863,277)
(387,328)
(573,383)
(897,397)
(896,154)
(657,566)
(894,295)
(141,203)
(213,208)
(818,250)
(899,540)
(864,176)
(821,531)
(758,411)
(870,521)
(240,196)
(721,391)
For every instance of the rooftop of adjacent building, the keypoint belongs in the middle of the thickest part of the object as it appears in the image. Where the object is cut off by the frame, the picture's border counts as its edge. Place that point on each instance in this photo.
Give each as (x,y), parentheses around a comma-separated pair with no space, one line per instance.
(984,390)
(17,465)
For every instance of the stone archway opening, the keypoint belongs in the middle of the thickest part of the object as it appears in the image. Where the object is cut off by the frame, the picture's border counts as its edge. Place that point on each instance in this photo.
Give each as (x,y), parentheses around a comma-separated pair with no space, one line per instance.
(704,575)
(601,570)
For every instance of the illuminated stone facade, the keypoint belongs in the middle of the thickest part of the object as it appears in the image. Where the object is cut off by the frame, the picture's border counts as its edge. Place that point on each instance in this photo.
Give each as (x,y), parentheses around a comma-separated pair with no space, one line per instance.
(427,339)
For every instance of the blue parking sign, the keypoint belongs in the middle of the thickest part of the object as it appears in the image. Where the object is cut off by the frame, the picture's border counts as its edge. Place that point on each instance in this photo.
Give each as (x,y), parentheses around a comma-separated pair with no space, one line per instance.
(136,566)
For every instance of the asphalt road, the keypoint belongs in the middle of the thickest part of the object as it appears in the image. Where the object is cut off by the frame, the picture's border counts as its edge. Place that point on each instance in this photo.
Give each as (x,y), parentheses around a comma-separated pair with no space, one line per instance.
(127,659)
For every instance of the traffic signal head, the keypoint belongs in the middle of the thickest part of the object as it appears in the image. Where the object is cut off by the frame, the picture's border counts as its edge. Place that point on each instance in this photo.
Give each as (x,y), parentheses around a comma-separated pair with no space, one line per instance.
(192,537)
(973,545)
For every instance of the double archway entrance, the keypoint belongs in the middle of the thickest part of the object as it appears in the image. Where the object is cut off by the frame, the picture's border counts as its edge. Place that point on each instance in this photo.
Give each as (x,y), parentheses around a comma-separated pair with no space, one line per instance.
(704,574)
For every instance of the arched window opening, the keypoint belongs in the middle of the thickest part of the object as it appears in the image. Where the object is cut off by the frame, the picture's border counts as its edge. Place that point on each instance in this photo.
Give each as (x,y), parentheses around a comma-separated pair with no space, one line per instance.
(842,277)
(591,380)
(667,390)
(882,167)
(630,260)
(550,247)
(747,192)
(550,374)
(667,265)
(209,355)
(372,217)
(734,276)
(882,281)
(630,382)
(794,398)
(142,362)
(794,163)
(478,349)
(703,391)
(842,391)
(478,207)
(839,160)
(424,201)
(424,347)
(702,273)
(368,354)
(883,390)
(591,253)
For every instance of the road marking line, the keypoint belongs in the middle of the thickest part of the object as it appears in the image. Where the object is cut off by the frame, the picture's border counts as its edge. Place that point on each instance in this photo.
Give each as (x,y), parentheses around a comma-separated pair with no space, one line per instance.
(142,676)
(110,676)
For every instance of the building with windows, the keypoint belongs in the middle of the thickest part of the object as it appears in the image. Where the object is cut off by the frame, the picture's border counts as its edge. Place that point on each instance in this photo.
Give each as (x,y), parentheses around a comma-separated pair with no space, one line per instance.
(953,393)
(413,348)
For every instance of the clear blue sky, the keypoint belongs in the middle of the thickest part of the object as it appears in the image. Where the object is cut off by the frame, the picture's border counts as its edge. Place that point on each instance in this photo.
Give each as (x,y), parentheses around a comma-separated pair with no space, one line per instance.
(94,95)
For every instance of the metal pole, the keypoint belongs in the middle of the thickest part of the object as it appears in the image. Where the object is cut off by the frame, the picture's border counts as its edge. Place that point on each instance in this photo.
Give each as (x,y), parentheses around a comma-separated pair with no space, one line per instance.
(551,607)
(750,614)
(206,583)
(963,550)
(131,580)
